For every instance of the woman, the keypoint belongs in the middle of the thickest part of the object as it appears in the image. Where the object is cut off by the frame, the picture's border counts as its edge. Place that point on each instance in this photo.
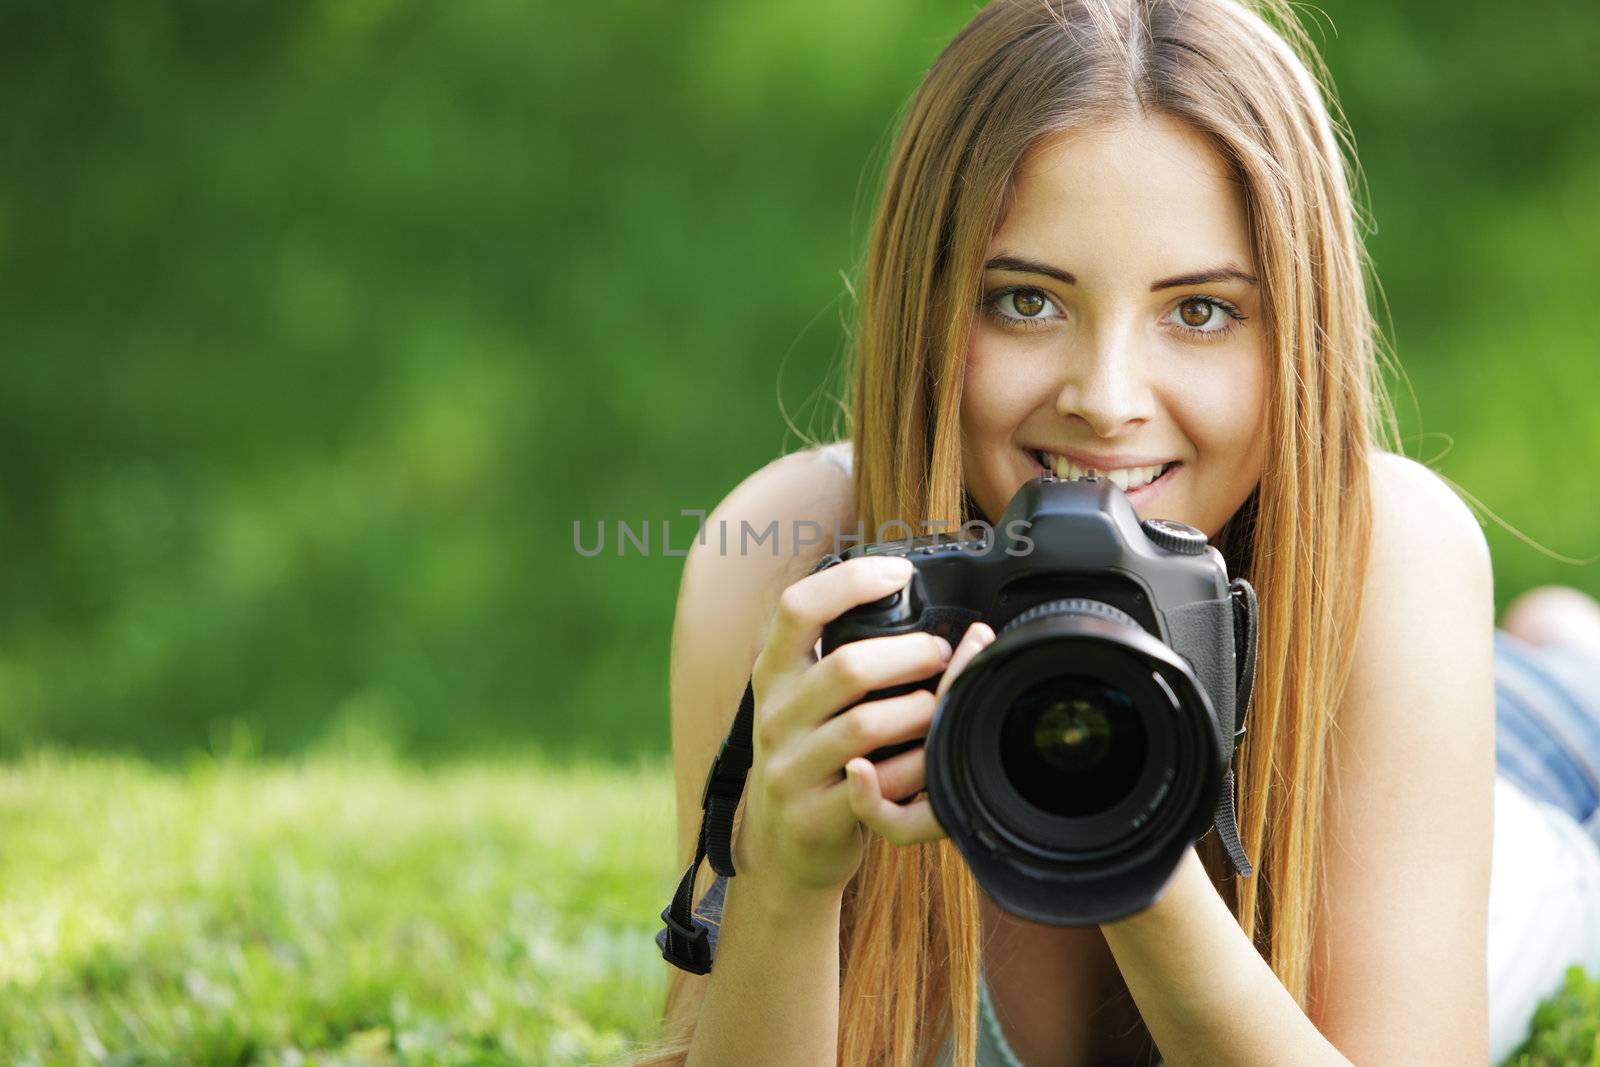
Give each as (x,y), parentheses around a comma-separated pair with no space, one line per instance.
(1120,234)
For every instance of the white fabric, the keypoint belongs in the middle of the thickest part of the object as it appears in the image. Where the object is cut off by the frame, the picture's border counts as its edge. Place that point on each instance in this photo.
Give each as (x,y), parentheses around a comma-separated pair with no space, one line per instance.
(1544,910)
(839,454)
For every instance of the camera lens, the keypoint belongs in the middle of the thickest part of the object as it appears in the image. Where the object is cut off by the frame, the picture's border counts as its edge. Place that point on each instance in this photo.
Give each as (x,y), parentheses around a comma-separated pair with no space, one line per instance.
(1073,745)
(1073,761)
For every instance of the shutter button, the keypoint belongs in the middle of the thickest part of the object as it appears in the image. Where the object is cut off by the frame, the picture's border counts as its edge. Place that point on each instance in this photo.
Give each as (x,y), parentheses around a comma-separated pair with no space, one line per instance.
(884,603)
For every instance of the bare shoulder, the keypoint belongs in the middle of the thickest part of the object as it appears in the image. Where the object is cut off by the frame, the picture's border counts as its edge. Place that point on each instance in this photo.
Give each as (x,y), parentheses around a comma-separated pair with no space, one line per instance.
(1428,593)
(747,554)
(1410,788)
(1415,511)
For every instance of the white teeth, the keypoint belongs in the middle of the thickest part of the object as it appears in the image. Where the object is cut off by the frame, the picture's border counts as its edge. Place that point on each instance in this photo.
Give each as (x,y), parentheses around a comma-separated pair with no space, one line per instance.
(1126,479)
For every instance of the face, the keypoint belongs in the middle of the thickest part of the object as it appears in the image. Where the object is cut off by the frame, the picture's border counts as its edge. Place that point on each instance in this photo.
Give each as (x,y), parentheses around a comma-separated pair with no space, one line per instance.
(1120,328)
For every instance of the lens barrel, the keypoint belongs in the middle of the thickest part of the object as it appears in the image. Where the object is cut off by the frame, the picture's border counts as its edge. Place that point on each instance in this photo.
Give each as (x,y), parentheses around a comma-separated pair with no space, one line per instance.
(1073,762)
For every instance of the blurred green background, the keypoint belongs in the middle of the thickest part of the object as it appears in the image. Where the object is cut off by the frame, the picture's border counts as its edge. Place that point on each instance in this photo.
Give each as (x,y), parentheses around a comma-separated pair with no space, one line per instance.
(323,322)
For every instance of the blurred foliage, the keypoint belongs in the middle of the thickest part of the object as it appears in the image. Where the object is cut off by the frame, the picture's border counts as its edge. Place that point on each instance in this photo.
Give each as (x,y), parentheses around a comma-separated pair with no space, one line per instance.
(324,322)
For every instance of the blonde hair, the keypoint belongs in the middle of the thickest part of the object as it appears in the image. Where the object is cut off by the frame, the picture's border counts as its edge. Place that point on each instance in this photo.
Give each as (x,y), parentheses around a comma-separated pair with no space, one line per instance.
(1248,79)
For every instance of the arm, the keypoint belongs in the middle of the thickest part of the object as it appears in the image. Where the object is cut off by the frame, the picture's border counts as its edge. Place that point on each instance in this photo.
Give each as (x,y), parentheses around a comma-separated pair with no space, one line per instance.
(773,996)
(748,1009)
(1399,971)
(789,1013)
(1206,995)
(1400,962)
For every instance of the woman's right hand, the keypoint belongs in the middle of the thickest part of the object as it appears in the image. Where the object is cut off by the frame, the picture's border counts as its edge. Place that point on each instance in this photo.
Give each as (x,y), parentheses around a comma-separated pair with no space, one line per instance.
(799,832)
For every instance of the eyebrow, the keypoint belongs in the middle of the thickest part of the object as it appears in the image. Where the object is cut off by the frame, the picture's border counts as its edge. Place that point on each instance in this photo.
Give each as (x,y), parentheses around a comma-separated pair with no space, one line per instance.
(1215,274)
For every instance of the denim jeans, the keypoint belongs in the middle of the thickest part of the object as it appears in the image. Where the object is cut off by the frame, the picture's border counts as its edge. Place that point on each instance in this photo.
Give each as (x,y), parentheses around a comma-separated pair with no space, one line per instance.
(1547,724)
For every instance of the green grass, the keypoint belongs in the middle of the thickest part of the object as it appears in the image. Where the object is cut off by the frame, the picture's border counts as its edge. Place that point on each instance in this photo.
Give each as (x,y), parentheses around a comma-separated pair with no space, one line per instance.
(335,912)
(356,910)
(1566,1028)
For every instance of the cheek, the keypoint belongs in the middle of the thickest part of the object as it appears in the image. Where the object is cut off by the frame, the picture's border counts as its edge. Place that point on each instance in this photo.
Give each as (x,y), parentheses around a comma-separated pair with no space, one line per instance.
(996,398)
(998,391)
(982,396)
(1223,411)
(1251,417)
(1228,428)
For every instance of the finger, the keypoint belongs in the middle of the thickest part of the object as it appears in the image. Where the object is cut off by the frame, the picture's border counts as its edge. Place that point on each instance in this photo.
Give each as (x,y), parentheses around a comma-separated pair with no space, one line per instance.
(817,599)
(898,824)
(860,730)
(821,814)
(851,671)
(904,774)
(977,638)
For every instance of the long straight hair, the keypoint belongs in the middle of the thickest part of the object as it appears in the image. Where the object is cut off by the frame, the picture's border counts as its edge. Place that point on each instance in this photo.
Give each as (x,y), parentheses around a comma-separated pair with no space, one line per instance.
(1019,72)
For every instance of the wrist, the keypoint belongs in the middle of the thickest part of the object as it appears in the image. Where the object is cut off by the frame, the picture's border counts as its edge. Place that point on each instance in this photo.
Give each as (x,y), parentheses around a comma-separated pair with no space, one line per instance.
(1189,883)
(776,903)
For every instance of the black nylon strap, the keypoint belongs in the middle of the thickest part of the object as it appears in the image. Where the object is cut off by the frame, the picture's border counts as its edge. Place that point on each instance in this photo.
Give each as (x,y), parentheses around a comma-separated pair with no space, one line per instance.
(688,944)
(725,783)
(1246,621)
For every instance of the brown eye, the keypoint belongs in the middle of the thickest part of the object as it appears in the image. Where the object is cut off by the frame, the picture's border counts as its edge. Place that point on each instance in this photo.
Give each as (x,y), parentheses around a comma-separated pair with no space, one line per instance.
(1196,312)
(1027,302)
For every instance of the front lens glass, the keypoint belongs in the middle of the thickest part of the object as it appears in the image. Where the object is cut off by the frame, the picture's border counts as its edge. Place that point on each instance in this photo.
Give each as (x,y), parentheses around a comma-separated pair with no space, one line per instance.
(1073,745)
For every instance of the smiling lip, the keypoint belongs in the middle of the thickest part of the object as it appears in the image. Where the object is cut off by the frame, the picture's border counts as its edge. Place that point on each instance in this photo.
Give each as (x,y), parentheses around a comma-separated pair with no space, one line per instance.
(1139,497)
(1115,462)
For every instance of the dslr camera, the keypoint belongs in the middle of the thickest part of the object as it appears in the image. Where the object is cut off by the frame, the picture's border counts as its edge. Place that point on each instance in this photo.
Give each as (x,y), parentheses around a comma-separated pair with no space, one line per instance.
(1077,757)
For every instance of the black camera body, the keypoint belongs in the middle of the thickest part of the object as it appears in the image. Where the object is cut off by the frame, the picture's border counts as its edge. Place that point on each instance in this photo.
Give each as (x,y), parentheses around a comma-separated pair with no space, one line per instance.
(1078,756)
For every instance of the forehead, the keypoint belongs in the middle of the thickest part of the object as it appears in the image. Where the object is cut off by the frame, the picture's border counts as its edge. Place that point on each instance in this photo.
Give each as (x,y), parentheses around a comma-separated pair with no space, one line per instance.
(1151,194)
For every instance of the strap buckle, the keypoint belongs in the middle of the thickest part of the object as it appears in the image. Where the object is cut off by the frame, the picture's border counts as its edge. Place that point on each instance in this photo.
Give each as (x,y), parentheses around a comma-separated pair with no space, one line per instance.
(687,948)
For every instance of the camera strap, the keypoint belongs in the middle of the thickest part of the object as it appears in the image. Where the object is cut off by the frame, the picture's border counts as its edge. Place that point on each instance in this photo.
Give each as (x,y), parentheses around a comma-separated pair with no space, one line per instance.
(688,944)
(1246,625)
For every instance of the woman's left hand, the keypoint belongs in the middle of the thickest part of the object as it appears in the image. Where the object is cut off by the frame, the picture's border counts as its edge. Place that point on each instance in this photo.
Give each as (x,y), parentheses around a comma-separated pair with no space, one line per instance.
(876,789)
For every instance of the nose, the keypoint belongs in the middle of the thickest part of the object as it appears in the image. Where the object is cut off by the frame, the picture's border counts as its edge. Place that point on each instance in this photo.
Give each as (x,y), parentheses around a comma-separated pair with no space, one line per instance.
(1106,386)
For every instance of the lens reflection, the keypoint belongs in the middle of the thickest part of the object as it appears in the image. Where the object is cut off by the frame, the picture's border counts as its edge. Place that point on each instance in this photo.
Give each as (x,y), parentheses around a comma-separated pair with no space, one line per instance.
(1073,746)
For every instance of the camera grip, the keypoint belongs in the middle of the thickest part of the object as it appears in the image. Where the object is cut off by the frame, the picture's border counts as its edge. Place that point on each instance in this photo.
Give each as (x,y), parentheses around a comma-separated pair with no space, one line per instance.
(878,755)
(907,610)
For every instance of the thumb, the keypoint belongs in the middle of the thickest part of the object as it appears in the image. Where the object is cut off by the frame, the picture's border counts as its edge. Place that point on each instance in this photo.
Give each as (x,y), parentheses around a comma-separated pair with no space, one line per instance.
(978,637)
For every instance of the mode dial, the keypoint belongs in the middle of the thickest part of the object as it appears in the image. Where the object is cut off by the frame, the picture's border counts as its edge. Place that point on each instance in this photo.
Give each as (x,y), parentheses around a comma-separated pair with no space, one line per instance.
(1175,536)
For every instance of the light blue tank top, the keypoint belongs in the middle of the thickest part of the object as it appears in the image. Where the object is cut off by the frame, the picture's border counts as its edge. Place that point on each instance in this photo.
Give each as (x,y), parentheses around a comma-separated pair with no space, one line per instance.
(993,1050)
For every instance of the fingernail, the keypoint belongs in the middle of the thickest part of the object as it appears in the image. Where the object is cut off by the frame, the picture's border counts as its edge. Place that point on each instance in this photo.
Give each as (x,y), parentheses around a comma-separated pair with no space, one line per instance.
(944,647)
